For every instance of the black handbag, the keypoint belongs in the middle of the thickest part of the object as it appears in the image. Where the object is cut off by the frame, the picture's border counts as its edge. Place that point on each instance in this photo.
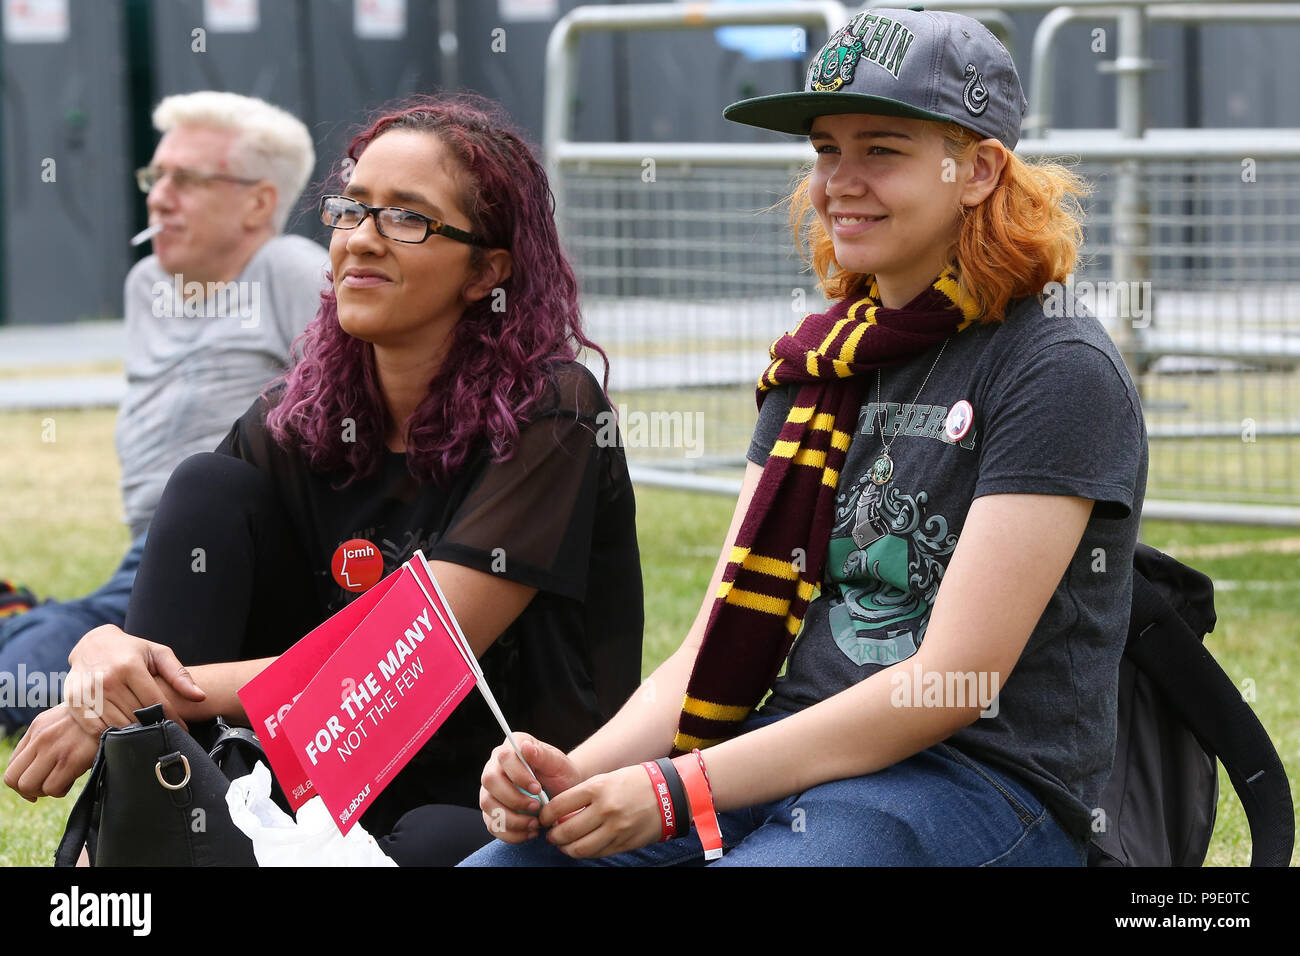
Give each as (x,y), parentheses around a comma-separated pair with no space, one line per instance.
(157,796)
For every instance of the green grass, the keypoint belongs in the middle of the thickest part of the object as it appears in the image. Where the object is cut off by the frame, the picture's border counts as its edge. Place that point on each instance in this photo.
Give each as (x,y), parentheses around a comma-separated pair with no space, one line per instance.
(29,833)
(680,535)
(60,510)
(59,506)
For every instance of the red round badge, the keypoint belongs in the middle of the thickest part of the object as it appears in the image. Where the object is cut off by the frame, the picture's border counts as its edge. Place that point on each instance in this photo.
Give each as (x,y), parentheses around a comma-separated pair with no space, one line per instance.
(357,565)
(959,421)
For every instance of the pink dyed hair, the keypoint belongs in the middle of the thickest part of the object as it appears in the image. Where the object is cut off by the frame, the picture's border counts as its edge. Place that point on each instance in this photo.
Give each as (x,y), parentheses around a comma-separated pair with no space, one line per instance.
(499,363)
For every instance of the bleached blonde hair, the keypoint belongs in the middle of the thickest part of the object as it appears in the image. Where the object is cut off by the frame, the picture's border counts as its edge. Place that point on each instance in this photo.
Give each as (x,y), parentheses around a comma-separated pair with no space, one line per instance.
(269,144)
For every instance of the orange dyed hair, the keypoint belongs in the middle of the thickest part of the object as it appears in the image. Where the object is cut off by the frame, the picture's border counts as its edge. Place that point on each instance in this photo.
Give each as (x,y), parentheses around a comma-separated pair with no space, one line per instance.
(1025,234)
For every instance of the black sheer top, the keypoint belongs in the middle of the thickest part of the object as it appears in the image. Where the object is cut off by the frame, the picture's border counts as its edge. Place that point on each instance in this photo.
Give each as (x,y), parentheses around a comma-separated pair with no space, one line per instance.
(558,516)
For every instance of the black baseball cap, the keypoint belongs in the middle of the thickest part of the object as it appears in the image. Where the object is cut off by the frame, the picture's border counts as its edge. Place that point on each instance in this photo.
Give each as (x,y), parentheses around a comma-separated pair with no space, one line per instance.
(923,64)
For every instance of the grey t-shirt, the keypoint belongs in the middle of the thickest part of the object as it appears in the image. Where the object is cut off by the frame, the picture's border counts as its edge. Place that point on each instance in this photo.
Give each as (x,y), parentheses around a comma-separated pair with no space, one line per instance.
(194,363)
(1052,410)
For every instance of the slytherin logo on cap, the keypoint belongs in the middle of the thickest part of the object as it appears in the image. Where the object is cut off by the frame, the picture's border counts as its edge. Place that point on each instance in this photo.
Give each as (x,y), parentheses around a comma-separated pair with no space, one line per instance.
(927,65)
(837,62)
(975,97)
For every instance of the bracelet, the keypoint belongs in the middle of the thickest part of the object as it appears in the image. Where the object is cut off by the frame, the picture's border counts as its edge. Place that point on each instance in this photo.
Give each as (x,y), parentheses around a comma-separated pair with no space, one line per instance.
(700,795)
(667,818)
(677,790)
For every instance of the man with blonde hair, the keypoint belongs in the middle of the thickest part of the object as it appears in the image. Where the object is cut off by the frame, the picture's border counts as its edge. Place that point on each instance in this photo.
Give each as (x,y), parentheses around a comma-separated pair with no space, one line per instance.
(210,319)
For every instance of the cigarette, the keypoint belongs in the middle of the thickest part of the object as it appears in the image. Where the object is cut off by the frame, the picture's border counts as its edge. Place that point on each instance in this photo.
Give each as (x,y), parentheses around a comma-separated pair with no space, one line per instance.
(146,235)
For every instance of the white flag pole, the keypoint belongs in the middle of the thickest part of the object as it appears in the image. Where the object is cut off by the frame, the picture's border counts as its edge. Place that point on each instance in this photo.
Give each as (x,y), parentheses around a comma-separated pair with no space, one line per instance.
(462,645)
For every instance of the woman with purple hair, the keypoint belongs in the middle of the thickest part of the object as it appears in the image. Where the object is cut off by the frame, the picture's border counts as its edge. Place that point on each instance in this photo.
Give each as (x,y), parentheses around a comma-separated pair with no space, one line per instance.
(437,403)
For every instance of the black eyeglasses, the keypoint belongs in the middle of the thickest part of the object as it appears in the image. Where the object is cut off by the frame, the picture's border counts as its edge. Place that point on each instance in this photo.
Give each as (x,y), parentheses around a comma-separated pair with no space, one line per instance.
(146,177)
(393,222)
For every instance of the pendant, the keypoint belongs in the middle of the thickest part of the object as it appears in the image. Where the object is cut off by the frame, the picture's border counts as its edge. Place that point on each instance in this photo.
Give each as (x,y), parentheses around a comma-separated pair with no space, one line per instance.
(882,469)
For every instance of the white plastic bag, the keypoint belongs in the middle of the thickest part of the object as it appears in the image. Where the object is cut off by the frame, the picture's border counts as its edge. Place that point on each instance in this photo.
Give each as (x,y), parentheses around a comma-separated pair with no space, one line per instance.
(313,840)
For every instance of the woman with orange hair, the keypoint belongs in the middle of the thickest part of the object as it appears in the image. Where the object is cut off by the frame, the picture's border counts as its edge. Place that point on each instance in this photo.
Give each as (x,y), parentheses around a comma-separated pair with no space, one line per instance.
(960,477)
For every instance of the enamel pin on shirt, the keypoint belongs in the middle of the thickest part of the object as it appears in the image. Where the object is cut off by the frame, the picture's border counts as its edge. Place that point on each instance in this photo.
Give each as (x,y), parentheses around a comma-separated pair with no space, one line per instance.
(357,565)
(958,422)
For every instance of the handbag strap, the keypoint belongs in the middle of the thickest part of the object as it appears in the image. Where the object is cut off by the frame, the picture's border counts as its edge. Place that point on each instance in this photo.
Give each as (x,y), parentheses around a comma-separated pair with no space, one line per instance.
(234,736)
(78,833)
(83,826)
(1204,697)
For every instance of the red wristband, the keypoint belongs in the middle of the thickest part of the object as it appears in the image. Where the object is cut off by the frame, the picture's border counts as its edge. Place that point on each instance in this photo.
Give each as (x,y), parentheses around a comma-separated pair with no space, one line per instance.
(667,816)
(700,795)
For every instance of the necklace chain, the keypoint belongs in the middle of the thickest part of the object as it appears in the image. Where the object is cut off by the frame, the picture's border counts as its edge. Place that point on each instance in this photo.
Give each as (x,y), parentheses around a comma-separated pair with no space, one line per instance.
(883,468)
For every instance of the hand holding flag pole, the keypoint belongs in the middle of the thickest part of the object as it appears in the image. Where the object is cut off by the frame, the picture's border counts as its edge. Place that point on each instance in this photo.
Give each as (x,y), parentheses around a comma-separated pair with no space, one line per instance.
(424,577)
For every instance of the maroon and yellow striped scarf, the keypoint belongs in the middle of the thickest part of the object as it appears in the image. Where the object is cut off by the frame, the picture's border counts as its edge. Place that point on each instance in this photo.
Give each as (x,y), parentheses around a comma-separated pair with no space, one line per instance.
(776,562)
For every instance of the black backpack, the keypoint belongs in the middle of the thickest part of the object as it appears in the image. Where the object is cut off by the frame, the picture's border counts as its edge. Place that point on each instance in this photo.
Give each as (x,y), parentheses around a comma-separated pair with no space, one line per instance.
(1178,712)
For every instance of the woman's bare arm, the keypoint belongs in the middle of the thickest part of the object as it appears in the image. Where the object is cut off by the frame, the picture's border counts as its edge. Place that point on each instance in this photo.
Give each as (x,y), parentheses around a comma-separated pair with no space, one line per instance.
(1011,556)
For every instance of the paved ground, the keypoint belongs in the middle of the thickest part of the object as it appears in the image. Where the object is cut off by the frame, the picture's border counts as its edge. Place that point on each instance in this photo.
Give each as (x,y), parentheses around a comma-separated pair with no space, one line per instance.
(50,347)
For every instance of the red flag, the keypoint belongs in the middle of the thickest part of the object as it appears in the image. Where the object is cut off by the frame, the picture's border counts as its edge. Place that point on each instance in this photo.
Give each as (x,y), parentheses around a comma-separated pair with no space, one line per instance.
(268,697)
(379,697)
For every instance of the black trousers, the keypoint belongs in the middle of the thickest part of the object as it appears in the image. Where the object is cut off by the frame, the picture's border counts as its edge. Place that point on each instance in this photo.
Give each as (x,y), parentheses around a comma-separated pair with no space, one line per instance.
(224,577)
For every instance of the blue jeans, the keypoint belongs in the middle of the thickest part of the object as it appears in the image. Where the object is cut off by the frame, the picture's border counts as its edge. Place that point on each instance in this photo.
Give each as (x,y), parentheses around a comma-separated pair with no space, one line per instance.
(936,808)
(34,646)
